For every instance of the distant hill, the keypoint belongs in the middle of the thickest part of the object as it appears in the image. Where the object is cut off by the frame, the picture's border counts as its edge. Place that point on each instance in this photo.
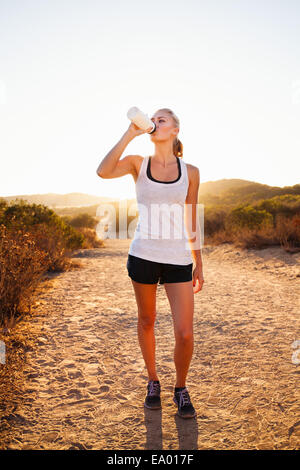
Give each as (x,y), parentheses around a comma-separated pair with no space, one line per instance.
(219,186)
(231,192)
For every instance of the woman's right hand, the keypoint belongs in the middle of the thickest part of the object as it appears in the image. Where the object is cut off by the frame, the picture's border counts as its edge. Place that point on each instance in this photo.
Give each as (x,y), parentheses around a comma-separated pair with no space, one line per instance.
(134,130)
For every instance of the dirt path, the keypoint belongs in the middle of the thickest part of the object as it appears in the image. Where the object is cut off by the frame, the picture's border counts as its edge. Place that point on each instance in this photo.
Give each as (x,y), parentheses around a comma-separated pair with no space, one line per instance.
(84,381)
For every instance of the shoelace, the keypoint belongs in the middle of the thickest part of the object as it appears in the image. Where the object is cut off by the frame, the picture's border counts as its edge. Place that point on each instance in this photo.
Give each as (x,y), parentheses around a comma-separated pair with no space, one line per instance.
(153,388)
(184,398)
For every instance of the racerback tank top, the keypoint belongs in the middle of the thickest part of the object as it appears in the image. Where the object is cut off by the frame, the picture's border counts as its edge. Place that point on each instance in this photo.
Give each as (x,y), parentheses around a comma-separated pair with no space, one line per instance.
(160,234)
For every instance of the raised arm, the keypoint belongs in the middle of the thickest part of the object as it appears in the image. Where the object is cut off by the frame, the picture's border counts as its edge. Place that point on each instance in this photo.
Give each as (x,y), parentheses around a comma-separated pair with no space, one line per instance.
(111,166)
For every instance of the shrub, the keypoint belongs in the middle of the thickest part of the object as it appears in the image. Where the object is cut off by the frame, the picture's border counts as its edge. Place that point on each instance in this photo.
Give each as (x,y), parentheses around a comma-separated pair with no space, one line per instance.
(82,221)
(257,238)
(288,232)
(214,221)
(53,242)
(33,240)
(37,218)
(287,204)
(90,238)
(22,265)
(248,217)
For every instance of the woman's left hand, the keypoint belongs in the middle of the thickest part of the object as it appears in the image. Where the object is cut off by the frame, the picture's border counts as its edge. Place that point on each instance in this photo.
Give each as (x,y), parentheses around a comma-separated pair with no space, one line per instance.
(198,279)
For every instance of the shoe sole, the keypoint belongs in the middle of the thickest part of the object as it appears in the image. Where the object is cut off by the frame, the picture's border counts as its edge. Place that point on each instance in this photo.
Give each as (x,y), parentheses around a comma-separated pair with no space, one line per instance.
(183,416)
(158,407)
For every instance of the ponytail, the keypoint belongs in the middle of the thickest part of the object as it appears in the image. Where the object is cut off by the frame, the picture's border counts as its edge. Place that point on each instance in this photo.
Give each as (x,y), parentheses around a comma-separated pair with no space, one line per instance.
(177,147)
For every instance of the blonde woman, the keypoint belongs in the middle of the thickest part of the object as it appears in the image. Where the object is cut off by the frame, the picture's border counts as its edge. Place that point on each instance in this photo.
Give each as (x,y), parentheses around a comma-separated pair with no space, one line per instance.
(163,180)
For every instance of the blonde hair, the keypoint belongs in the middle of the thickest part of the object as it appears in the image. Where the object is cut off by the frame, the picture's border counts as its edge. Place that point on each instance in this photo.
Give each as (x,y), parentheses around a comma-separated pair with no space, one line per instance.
(177,144)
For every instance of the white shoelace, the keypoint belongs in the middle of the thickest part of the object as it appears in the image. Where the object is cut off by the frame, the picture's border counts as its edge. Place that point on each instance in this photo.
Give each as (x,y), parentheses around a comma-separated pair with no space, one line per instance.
(153,389)
(184,398)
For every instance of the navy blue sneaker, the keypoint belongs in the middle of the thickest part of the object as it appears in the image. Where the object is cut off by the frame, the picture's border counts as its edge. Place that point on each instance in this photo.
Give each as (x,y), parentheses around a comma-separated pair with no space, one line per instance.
(152,400)
(182,400)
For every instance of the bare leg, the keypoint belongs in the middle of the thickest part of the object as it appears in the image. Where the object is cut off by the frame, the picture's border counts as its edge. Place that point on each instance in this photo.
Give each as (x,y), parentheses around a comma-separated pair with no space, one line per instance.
(181,299)
(145,295)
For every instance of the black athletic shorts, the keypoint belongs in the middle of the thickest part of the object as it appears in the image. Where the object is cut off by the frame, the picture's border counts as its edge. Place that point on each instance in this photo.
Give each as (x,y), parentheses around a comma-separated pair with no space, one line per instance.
(150,272)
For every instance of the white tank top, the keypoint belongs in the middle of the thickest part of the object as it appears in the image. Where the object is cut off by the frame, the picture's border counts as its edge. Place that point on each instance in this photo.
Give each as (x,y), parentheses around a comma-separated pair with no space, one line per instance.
(160,234)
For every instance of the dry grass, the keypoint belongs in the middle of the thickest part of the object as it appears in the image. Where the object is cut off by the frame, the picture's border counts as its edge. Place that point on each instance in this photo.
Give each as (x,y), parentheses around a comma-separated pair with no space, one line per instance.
(90,238)
(26,256)
(286,234)
(22,265)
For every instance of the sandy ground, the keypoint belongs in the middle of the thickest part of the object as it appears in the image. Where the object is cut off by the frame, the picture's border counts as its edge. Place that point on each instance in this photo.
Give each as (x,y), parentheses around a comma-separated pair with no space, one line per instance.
(82,383)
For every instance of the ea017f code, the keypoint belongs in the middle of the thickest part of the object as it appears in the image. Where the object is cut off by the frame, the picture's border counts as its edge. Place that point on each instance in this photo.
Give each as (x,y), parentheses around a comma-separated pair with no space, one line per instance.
(170,459)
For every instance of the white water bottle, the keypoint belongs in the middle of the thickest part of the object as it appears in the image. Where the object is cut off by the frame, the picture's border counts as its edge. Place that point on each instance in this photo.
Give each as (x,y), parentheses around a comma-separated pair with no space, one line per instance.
(140,119)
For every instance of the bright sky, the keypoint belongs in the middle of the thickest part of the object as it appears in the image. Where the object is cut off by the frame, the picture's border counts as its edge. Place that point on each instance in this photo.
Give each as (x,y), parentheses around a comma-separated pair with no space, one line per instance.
(70,70)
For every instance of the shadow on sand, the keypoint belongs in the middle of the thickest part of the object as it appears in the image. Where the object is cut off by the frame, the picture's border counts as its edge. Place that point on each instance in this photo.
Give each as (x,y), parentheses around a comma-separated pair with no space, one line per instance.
(187,430)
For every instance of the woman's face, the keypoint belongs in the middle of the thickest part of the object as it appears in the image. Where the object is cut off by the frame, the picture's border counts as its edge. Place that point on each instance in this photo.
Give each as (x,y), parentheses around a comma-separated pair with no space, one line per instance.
(165,128)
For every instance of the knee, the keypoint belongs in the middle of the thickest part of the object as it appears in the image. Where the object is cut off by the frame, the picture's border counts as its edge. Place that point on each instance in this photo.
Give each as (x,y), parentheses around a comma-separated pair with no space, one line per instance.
(184,335)
(147,321)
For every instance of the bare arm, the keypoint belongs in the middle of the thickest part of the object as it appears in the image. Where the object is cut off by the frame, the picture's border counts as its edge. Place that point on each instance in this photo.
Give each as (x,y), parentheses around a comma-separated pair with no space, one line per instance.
(111,166)
(193,228)
(192,216)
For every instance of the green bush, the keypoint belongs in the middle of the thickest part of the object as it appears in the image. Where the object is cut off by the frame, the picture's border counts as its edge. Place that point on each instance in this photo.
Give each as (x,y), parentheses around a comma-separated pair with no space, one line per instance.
(248,216)
(82,221)
(214,220)
(32,217)
(33,240)
(287,204)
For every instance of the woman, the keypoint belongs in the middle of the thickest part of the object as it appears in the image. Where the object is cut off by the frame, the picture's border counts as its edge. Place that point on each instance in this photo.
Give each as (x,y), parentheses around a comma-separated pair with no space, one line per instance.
(163,180)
